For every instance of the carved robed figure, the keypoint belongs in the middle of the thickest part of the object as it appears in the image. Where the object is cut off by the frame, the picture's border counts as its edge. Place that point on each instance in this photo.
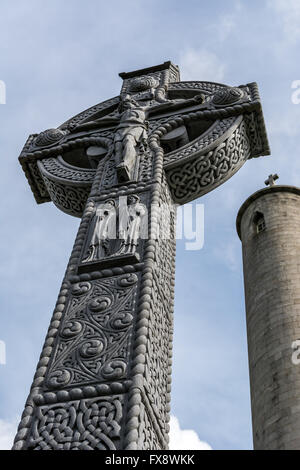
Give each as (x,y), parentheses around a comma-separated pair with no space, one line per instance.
(132,224)
(103,232)
(122,166)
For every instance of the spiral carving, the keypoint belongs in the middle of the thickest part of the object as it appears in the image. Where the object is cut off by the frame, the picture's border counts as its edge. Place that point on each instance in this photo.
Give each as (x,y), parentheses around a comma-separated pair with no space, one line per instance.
(127,280)
(114,370)
(91,348)
(100,304)
(71,329)
(143,83)
(81,288)
(59,378)
(227,96)
(49,137)
(122,320)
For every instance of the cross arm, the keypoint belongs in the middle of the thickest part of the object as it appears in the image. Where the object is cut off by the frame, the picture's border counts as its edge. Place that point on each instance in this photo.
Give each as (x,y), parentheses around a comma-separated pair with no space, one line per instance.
(174,106)
(96,124)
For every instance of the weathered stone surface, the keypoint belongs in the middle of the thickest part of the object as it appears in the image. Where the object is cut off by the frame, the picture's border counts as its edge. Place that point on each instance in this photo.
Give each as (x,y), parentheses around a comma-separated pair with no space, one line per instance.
(272,290)
(103,380)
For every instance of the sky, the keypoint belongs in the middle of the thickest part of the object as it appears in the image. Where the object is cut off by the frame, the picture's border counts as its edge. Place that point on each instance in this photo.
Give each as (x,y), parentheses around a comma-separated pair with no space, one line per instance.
(59,58)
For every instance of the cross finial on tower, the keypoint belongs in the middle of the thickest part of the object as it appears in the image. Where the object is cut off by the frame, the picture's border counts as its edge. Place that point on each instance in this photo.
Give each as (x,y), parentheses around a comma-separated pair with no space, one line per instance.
(271,180)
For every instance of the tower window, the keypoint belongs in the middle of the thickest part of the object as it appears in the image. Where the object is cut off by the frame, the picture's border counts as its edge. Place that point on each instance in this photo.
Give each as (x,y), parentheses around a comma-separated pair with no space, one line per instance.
(259,222)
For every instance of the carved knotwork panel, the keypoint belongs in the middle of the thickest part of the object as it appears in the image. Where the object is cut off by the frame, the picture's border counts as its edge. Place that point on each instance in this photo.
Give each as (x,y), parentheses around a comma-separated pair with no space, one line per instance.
(93,343)
(202,143)
(67,186)
(157,372)
(60,170)
(203,173)
(254,134)
(146,166)
(163,270)
(148,438)
(91,424)
(68,198)
(160,328)
(39,182)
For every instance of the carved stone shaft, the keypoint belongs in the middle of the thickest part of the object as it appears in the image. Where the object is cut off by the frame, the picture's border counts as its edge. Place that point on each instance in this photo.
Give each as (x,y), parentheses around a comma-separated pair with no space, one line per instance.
(103,380)
(107,358)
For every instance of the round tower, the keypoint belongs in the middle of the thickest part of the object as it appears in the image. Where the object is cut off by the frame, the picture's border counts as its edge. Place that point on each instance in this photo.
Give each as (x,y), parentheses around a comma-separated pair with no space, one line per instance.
(268,224)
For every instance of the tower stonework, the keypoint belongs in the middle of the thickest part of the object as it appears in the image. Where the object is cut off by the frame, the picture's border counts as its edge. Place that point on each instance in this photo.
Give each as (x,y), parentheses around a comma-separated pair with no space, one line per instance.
(268,225)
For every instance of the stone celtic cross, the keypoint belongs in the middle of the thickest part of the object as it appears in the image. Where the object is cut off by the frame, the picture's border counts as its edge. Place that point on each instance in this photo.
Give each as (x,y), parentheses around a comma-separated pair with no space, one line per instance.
(103,379)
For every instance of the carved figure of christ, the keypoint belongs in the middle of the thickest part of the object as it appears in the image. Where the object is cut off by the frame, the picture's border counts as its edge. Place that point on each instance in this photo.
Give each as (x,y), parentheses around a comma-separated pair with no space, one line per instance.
(131,132)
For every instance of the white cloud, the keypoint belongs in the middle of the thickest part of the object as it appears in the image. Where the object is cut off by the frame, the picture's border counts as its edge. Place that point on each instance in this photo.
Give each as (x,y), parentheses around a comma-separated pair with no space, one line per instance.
(184,439)
(289,15)
(201,65)
(8,431)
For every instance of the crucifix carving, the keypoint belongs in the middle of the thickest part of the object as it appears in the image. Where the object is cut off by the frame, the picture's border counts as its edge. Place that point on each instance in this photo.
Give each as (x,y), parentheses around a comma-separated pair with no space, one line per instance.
(130,134)
(103,380)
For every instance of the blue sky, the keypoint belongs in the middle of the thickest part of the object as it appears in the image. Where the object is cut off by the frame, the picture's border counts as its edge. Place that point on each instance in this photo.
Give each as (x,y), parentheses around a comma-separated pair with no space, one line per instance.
(58,58)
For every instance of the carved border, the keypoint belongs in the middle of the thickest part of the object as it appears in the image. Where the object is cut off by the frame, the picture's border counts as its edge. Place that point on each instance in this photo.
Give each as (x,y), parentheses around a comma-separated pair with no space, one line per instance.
(203,172)
(68,186)
(200,145)
(29,160)
(58,170)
